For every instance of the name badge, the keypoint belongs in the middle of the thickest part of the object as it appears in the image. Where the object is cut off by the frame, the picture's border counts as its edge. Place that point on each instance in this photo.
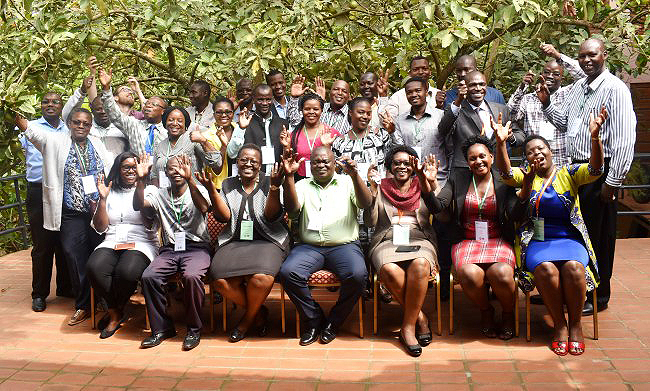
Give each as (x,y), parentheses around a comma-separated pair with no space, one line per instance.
(163,181)
(179,241)
(538,229)
(246,231)
(315,223)
(121,233)
(234,171)
(418,150)
(362,169)
(89,184)
(124,246)
(481,228)
(547,130)
(400,235)
(307,168)
(268,155)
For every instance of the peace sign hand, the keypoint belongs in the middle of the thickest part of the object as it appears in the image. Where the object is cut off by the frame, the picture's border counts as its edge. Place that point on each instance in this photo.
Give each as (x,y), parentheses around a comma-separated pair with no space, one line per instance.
(595,123)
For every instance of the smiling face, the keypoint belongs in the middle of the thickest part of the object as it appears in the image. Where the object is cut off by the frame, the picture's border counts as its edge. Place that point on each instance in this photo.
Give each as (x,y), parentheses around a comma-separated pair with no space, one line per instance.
(476,87)
(101,118)
(278,86)
(223,114)
(420,68)
(172,169)
(263,100)
(249,163)
(360,116)
(154,109)
(51,106)
(244,89)
(537,150)
(339,93)
(479,159)
(311,112)
(416,93)
(368,85)
(79,124)
(128,175)
(175,124)
(591,57)
(553,74)
(322,164)
(400,167)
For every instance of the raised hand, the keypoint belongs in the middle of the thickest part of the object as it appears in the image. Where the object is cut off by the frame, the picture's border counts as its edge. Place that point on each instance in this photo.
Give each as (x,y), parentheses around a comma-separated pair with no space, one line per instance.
(569,8)
(327,139)
(277,174)
(549,50)
(134,83)
(196,136)
(105,78)
(441,95)
(348,165)
(144,166)
(87,83)
(430,168)
(387,122)
(530,174)
(232,96)
(462,93)
(595,123)
(290,162)
(320,87)
(245,117)
(382,83)
(543,94)
(503,132)
(529,78)
(21,122)
(93,64)
(285,138)
(373,177)
(184,167)
(102,188)
(221,134)
(205,177)
(298,86)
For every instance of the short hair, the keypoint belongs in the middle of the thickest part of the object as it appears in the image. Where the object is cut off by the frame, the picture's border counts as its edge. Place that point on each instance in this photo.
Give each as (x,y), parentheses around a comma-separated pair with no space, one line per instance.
(260,87)
(532,137)
(79,110)
(249,146)
(51,93)
(473,140)
(472,73)
(115,174)
(169,110)
(310,96)
(242,81)
(353,104)
(328,149)
(272,73)
(422,81)
(465,57)
(221,99)
(416,58)
(388,163)
(161,99)
(203,85)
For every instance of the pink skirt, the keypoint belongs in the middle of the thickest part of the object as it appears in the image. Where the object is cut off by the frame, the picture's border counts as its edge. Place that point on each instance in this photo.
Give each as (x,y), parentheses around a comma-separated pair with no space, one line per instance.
(473,251)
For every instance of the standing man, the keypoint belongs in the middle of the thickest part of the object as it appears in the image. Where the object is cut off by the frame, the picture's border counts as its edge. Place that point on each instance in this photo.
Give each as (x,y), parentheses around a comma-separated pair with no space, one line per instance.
(335,112)
(527,111)
(201,112)
(125,101)
(275,79)
(143,135)
(418,67)
(243,96)
(464,65)
(377,91)
(263,127)
(598,199)
(45,243)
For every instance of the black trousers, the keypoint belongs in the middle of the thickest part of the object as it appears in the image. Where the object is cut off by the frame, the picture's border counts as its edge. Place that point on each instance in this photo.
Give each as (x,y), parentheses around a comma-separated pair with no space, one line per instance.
(600,219)
(46,244)
(115,273)
(79,240)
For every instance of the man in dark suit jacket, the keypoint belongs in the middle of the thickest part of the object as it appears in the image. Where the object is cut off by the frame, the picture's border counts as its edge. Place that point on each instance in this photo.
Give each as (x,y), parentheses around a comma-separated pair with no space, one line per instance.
(468,114)
(264,126)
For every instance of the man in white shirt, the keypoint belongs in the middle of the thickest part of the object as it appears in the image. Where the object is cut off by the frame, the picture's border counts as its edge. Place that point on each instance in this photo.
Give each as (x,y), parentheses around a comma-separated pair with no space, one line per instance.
(419,67)
(201,112)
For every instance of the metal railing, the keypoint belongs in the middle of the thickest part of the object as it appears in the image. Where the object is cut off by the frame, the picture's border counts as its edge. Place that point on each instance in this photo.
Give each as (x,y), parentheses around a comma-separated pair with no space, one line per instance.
(637,156)
(22,222)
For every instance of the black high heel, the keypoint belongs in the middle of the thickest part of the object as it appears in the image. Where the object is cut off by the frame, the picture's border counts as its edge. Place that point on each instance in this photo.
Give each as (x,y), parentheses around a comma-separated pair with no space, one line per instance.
(413,350)
(425,339)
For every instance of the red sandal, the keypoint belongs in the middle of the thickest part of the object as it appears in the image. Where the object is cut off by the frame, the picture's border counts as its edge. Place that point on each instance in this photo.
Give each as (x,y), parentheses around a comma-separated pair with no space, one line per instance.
(559,348)
(576,348)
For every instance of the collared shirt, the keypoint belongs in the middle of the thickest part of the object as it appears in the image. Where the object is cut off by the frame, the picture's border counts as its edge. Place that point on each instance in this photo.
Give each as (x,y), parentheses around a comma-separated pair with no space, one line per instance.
(338,119)
(81,162)
(423,133)
(281,110)
(398,104)
(618,133)
(528,109)
(203,119)
(33,157)
(491,95)
(136,131)
(328,215)
(483,112)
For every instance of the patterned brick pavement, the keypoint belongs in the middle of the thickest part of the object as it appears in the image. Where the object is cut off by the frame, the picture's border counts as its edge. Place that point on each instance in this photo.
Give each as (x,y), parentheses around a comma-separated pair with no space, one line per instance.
(39,350)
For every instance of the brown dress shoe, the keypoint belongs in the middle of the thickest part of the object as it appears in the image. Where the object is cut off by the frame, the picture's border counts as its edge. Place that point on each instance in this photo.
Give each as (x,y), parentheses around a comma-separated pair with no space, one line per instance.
(78,317)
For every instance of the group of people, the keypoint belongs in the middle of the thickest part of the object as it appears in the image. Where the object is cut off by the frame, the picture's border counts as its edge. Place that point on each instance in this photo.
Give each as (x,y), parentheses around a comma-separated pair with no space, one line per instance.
(408,186)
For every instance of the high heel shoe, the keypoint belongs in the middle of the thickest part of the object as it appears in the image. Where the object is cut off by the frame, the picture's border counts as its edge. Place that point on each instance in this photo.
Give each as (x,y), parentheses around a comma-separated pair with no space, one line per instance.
(425,339)
(413,350)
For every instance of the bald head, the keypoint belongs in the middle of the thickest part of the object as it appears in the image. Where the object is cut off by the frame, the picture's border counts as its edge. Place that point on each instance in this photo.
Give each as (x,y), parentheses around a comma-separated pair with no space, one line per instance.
(464,65)
(591,57)
(322,164)
(339,93)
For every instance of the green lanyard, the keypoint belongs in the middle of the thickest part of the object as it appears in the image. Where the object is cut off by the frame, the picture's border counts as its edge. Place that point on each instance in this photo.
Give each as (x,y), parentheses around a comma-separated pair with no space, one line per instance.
(178,212)
(81,158)
(481,203)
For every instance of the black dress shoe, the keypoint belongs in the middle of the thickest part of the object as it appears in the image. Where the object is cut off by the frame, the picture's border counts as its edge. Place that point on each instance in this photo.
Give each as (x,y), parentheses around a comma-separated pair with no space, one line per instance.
(309,336)
(38,304)
(105,333)
(157,338)
(191,341)
(413,350)
(588,309)
(424,339)
(329,333)
(104,321)
(236,335)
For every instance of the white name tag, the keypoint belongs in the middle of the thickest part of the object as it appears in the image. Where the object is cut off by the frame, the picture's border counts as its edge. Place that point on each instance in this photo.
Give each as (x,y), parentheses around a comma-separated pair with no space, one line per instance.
(163,181)
(418,150)
(89,184)
(401,235)
(547,130)
(268,155)
(246,230)
(315,223)
(122,233)
(538,229)
(481,228)
(235,170)
(362,169)
(307,168)
(179,241)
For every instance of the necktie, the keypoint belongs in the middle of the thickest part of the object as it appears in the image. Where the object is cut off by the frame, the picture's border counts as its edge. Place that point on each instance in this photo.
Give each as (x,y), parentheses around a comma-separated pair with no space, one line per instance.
(148,147)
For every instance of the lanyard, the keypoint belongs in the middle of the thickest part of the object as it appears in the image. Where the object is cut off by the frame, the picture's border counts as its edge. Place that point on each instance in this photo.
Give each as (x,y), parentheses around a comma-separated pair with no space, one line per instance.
(81,158)
(541,192)
(400,213)
(312,144)
(178,212)
(481,202)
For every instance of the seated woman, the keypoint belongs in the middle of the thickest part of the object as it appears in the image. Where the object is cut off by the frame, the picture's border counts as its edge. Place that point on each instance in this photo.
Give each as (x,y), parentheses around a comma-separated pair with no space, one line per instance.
(255,240)
(555,245)
(482,208)
(130,244)
(401,219)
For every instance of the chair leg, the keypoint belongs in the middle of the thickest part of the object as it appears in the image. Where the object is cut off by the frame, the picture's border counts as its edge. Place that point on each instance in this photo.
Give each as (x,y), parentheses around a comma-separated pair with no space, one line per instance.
(224,316)
(297,324)
(284,327)
(595,300)
(451,303)
(211,298)
(438,305)
(92,307)
(360,317)
(375,305)
(516,306)
(146,318)
(528,316)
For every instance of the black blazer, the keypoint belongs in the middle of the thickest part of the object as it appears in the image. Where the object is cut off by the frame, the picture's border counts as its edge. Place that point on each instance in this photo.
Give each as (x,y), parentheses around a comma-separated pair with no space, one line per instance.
(255,133)
(452,199)
(468,123)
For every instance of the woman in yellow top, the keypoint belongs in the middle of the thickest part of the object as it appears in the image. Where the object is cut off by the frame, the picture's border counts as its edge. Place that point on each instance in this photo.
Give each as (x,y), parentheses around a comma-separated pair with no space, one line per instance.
(553,240)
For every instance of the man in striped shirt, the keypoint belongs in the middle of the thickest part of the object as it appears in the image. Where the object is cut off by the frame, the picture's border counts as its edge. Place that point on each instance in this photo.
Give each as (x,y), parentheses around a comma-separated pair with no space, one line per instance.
(598,199)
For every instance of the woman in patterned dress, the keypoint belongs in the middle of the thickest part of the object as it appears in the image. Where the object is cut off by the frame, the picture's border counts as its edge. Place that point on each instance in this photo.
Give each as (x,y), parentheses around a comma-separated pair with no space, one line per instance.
(554,242)
(483,253)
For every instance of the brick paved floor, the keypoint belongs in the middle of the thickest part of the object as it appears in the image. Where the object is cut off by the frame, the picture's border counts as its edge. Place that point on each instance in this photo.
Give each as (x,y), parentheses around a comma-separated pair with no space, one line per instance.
(39,350)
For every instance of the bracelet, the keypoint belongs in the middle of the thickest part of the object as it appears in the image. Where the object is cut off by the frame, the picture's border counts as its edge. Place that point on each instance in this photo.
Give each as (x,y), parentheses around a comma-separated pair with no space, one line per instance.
(274,187)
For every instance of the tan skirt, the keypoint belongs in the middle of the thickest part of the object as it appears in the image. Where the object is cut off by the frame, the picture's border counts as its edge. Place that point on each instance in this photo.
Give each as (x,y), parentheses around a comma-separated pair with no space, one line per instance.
(385,251)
